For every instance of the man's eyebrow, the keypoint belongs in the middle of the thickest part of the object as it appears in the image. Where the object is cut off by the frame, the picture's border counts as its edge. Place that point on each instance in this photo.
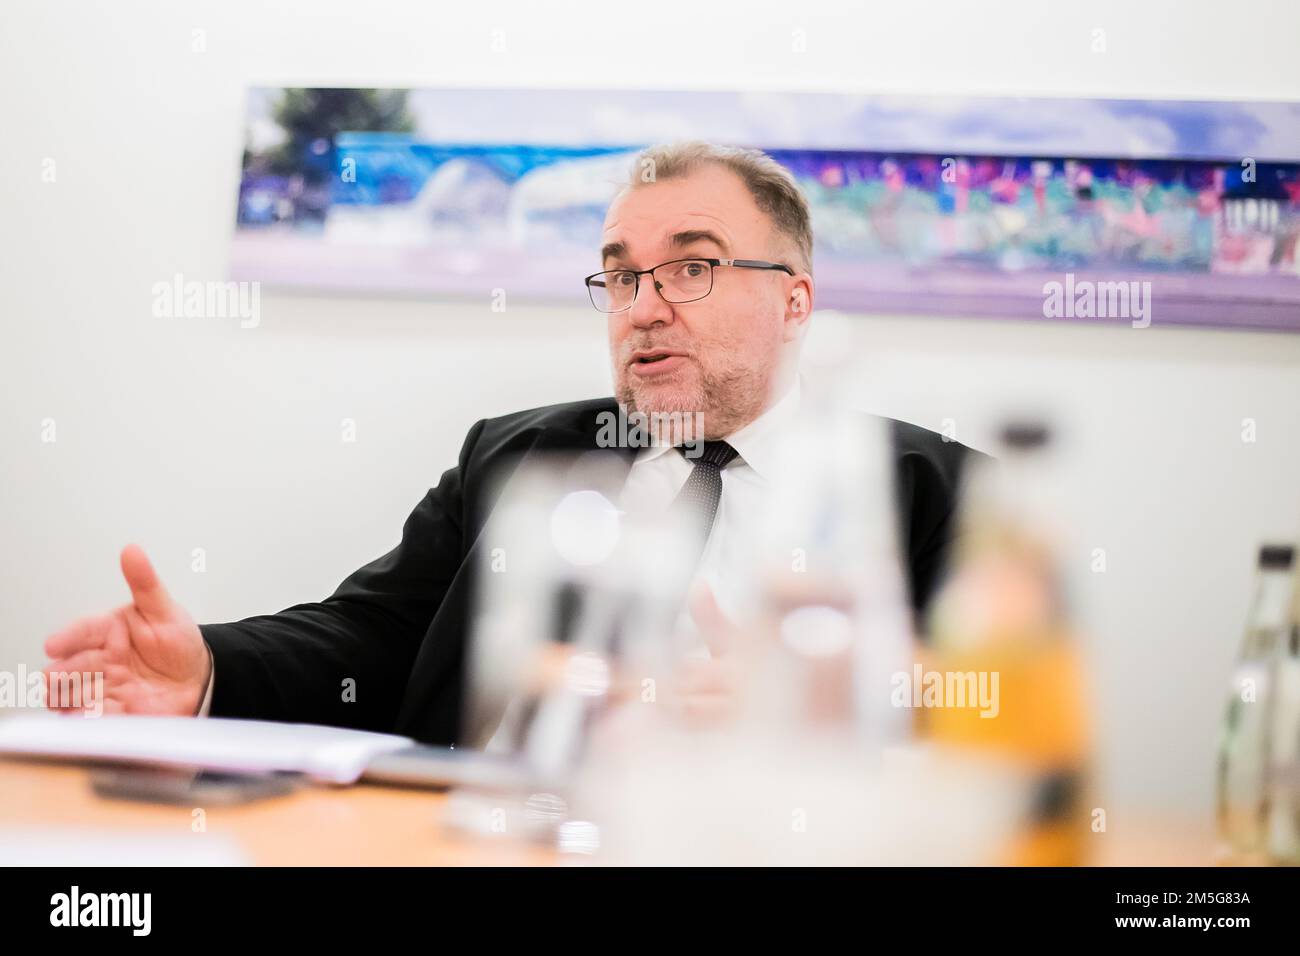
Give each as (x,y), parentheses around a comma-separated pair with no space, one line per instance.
(689,236)
(678,240)
(612,250)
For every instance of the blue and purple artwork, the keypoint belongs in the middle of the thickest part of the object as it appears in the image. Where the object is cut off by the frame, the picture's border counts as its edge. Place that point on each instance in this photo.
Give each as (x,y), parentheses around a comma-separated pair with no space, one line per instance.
(955,206)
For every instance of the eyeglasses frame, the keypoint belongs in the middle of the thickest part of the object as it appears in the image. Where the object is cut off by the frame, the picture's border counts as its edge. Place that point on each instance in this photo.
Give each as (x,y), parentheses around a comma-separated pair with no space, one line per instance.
(713,264)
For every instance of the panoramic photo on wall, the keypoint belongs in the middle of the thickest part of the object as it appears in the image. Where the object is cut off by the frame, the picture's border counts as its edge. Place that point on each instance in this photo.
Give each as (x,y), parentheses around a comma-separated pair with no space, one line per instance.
(965,207)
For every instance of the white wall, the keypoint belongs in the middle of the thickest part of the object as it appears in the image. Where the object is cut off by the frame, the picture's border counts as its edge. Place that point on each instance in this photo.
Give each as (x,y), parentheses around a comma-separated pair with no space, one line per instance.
(194,433)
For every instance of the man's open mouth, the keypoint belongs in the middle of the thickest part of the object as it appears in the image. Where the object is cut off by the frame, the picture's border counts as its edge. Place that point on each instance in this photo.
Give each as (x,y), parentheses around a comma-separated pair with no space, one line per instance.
(650,358)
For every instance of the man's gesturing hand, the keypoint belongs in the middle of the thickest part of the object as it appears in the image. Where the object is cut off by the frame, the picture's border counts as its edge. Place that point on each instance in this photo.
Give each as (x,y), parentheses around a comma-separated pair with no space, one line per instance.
(707,686)
(150,651)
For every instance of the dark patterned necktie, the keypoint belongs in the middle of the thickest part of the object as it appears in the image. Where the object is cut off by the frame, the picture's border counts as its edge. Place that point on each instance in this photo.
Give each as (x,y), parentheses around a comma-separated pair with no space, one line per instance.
(700,495)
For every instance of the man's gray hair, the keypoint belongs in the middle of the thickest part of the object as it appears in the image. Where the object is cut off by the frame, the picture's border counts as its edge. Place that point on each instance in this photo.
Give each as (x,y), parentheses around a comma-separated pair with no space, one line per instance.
(774,189)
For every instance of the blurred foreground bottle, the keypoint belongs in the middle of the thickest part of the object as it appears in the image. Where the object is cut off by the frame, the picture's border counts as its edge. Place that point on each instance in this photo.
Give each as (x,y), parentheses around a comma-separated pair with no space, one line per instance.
(1000,634)
(1284,769)
(1247,743)
(830,620)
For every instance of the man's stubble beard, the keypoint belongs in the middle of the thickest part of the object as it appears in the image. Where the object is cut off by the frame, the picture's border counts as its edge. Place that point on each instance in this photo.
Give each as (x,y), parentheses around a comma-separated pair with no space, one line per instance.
(727,398)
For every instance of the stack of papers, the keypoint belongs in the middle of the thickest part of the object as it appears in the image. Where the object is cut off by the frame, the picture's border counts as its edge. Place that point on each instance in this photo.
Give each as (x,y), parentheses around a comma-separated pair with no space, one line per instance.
(328,754)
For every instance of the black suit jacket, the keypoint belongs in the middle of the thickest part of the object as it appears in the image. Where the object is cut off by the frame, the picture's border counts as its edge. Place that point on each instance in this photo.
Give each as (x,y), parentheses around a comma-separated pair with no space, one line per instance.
(398,626)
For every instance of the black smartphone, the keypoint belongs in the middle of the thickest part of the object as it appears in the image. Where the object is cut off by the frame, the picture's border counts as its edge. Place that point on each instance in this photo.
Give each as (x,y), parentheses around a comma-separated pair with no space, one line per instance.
(190,787)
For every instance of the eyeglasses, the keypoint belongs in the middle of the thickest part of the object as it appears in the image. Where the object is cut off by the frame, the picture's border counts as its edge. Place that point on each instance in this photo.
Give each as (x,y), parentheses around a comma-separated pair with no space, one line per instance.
(682,280)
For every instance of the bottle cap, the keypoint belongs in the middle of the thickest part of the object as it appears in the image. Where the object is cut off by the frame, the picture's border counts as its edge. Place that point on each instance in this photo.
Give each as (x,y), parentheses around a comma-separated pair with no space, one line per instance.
(1276,556)
(1025,434)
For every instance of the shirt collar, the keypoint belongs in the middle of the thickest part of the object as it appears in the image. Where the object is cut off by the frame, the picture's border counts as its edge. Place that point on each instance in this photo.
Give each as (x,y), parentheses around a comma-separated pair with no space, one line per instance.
(759,442)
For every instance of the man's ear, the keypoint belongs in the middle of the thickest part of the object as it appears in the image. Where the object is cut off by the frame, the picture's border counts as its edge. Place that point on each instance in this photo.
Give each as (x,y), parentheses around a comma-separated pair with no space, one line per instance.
(798,306)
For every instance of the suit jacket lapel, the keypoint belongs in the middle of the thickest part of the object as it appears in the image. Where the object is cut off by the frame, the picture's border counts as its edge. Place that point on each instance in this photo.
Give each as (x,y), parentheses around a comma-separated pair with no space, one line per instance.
(585,435)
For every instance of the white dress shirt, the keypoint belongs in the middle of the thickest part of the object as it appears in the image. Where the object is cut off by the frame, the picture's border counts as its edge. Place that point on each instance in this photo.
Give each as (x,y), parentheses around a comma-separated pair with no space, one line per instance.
(658,474)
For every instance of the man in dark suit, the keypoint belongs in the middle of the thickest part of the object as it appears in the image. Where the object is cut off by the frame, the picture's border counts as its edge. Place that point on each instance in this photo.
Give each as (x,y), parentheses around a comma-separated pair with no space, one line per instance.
(724,238)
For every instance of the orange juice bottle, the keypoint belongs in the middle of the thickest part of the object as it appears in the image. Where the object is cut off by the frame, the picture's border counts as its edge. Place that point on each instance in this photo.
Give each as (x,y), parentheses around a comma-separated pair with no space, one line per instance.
(999,632)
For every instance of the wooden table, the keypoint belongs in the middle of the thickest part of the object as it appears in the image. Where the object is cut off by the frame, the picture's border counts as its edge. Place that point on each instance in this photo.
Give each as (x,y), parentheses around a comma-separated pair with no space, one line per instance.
(313,826)
(371,825)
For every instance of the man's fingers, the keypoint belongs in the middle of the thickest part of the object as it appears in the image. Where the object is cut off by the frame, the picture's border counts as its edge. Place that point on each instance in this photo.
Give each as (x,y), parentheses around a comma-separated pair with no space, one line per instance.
(87,633)
(147,592)
(719,633)
(75,682)
(704,677)
(82,663)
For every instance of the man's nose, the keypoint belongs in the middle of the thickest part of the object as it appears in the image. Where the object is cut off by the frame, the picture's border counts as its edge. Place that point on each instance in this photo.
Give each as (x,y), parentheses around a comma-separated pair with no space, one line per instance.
(649,306)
